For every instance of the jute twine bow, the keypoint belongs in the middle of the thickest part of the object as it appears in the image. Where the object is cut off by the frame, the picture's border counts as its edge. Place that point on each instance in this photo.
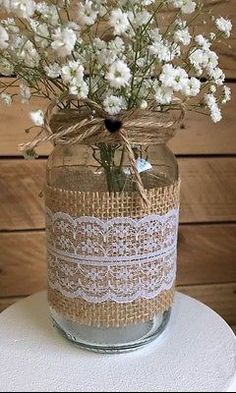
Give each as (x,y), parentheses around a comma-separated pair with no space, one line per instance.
(90,125)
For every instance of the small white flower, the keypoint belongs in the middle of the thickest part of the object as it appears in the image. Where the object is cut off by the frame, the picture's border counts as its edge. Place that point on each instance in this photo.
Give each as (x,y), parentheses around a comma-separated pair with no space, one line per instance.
(155,35)
(29,54)
(99,44)
(4,37)
(143,104)
(203,42)
(141,18)
(182,36)
(147,2)
(119,21)
(79,89)
(76,28)
(72,75)
(6,68)
(213,89)
(174,78)
(10,25)
(53,70)
(42,34)
(186,6)
(23,8)
(114,104)
(164,95)
(164,50)
(141,62)
(25,93)
(87,15)
(106,57)
(37,117)
(117,46)
(102,10)
(215,112)
(6,99)
(227,94)
(64,41)
(224,25)
(203,59)
(72,72)
(118,74)
(107,53)
(49,13)
(210,100)
(217,75)
(192,88)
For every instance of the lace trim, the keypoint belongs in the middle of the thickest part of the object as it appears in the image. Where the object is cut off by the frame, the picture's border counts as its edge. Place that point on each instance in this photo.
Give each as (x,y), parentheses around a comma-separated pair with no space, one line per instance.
(120,260)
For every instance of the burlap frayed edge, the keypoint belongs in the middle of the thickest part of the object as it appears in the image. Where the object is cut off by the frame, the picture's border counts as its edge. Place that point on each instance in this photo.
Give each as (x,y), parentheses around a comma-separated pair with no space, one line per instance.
(106,205)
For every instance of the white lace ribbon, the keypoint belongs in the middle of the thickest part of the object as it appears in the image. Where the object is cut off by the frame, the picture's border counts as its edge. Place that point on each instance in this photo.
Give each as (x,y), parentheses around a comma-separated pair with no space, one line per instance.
(120,260)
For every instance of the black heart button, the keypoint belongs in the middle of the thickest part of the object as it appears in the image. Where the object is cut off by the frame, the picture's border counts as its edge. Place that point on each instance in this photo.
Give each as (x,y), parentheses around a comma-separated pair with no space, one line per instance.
(113,125)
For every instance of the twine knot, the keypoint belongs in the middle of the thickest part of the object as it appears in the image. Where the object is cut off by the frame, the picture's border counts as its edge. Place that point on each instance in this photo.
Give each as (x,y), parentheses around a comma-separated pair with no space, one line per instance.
(113,125)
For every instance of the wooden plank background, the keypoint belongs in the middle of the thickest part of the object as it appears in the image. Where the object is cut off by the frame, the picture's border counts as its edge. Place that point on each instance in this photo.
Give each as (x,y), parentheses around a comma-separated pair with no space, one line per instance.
(207,160)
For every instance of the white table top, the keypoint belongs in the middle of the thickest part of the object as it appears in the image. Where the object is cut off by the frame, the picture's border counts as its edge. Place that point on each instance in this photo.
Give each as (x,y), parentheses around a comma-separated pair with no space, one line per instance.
(197,353)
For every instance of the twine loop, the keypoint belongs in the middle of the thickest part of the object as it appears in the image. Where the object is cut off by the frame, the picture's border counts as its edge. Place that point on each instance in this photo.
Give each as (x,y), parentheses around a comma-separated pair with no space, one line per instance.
(89,125)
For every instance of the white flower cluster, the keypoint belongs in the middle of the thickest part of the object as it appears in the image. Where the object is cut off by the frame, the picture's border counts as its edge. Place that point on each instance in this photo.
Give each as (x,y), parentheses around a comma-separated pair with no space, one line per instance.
(73,76)
(176,79)
(119,54)
(186,6)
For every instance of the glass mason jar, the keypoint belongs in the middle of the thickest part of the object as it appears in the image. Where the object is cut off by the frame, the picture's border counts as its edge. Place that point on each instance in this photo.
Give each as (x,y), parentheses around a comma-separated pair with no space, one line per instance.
(87,238)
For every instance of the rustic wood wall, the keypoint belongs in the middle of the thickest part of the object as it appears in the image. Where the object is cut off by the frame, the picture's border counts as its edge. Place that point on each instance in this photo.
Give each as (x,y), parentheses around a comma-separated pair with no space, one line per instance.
(207,246)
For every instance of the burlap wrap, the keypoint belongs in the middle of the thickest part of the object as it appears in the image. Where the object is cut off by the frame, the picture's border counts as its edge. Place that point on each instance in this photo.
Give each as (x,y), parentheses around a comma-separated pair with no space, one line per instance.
(105,206)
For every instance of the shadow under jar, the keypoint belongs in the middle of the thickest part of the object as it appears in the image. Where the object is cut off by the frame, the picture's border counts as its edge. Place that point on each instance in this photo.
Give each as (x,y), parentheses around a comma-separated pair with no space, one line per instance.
(111,259)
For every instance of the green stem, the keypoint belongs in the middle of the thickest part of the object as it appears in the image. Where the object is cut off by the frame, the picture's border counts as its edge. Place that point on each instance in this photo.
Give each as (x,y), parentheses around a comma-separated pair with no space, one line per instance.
(106,161)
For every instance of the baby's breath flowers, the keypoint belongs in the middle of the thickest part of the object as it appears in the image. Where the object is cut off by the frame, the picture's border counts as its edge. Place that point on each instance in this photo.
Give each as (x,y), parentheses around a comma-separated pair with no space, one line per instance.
(6,99)
(119,21)
(4,37)
(37,117)
(114,104)
(224,25)
(64,40)
(186,6)
(120,54)
(118,74)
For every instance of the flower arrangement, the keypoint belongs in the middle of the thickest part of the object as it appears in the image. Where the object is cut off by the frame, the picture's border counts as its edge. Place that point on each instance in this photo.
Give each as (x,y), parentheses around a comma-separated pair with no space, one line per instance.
(120,55)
